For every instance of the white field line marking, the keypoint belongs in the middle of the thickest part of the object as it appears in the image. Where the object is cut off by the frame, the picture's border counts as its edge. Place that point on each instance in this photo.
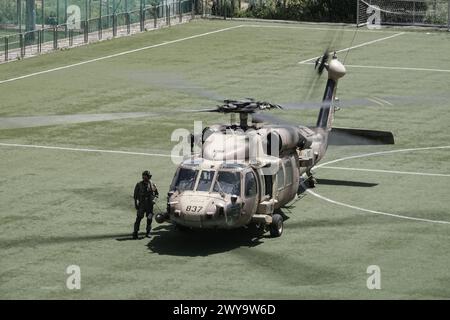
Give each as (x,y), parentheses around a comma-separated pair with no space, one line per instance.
(373,211)
(383,101)
(358,46)
(398,68)
(314,28)
(86,150)
(388,171)
(379,153)
(118,54)
(391,68)
(376,101)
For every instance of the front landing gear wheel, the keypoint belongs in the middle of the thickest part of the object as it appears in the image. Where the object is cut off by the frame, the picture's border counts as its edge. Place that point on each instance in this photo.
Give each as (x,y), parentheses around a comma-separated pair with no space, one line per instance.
(276,227)
(312,182)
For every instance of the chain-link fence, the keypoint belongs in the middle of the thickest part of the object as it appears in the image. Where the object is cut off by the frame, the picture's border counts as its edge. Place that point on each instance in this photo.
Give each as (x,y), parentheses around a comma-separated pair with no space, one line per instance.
(83,21)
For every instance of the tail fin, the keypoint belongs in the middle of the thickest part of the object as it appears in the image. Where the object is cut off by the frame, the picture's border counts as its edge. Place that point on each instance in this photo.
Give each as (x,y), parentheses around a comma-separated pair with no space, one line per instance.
(335,70)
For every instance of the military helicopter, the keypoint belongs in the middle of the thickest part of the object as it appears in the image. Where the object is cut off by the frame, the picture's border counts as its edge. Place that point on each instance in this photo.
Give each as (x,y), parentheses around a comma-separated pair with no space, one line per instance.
(245,172)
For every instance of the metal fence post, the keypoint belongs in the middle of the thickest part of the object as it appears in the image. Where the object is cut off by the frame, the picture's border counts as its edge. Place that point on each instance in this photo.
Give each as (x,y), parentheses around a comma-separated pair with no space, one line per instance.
(70,37)
(86,31)
(22,45)
(39,41)
(65,18)
(114,21)
(43,13)
(168,15)
(141,17)
(193,9)
(224,10)
(55,38)
(127,21)
(42,40)
(6,48)
(155,16)
(357,13)
(179,11)
(100,34)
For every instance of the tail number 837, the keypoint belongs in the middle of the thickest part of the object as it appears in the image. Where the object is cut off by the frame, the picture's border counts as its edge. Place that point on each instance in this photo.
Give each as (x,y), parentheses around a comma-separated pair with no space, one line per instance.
(194,209)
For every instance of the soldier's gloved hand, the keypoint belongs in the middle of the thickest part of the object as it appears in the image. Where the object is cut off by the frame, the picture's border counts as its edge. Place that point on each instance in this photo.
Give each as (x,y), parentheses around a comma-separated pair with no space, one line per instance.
(136,205)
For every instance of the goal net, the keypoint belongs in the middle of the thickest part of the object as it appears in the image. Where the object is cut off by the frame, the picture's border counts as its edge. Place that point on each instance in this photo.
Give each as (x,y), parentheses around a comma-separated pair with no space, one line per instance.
(373,13)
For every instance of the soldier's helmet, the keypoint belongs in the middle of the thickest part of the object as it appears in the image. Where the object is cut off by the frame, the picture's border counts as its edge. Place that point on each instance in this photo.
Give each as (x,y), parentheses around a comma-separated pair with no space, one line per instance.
(147,173)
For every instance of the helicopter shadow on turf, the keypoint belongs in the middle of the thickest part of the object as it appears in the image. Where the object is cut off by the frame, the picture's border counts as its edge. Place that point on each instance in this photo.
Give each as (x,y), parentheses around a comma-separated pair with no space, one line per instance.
(167,240)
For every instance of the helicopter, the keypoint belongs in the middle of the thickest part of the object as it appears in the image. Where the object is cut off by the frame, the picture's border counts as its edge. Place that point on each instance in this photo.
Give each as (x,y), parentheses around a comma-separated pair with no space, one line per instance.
(246,172)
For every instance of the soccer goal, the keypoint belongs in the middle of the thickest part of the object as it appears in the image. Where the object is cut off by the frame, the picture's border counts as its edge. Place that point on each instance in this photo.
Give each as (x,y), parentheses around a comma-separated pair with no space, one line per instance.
(374,13)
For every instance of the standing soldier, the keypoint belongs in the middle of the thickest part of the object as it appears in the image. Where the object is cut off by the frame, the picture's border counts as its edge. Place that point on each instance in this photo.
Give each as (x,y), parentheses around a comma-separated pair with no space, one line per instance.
(144,194)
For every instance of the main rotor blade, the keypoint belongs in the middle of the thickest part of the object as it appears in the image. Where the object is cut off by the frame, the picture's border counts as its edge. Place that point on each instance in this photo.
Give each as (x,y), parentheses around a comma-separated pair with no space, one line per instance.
(176,82)
(52,120)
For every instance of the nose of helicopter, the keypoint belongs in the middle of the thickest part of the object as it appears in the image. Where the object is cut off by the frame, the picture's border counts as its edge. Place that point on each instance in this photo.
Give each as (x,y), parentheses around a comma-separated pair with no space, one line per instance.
(197,209)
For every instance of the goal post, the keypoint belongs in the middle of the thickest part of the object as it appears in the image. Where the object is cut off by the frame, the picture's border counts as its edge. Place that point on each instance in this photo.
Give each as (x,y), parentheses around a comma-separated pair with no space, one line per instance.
(433,13)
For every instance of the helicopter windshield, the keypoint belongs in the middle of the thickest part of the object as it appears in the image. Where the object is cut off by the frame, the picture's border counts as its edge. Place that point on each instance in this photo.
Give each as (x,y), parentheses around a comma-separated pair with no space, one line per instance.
(186,179)
(205,181)
(228,182)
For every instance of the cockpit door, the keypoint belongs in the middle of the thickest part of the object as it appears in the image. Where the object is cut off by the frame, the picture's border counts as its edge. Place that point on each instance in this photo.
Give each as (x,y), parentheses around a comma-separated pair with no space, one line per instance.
(250,192)
(268,187)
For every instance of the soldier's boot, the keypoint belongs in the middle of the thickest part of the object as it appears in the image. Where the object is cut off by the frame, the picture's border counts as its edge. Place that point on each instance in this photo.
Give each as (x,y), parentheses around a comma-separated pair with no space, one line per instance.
(149,228)
(136,228)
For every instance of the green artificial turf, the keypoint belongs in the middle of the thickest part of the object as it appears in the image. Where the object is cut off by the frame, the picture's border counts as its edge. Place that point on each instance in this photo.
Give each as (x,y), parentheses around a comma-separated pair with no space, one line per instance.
(61,207)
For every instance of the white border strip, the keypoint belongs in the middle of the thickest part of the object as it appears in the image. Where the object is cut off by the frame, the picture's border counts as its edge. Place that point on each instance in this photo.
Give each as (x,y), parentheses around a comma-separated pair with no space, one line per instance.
(391,68)
(398,68)
(86,150)
(117,54)
(337,29)
(379,153)
(373,211)
(388,171)
(358,46)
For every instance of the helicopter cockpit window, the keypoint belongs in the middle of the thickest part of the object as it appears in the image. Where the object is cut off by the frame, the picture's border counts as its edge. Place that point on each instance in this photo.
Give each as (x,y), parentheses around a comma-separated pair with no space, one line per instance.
(186,179)
(205,181)
(228,182)
(280,178)
(250,185)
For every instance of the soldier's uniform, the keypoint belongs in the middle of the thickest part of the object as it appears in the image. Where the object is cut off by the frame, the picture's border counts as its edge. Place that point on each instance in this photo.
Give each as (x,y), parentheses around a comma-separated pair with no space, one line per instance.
(144,194)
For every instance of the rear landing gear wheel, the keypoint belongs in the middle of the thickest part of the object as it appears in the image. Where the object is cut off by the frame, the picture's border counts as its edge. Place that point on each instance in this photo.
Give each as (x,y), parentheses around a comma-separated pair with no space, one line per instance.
(276,228)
